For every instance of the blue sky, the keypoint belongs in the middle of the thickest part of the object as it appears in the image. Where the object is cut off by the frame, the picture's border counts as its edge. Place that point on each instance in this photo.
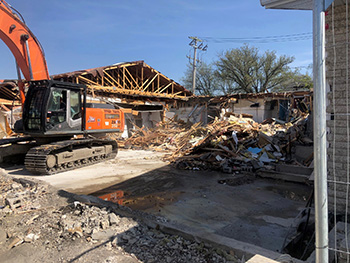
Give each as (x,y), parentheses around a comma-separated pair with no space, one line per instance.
(83,34)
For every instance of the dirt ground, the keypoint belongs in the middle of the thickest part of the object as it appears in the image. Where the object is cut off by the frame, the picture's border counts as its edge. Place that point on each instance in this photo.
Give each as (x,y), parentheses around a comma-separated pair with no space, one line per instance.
(239,207)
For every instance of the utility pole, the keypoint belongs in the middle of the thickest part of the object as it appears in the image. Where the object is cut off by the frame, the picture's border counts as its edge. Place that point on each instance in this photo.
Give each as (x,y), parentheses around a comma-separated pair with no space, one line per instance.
(194,44)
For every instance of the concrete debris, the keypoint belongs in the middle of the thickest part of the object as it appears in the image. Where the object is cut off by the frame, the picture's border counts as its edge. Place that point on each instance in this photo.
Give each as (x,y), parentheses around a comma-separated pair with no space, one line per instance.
(113,219)
(31,237)
(136,238)
(21,195)
(55,229)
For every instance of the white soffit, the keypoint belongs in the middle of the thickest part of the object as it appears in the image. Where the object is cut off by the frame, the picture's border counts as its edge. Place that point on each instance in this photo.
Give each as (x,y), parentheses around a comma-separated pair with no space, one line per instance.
(287,4)
(296,4)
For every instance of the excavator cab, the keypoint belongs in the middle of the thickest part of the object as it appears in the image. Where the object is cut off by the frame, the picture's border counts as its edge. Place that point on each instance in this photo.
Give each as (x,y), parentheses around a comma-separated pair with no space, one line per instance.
(53,108)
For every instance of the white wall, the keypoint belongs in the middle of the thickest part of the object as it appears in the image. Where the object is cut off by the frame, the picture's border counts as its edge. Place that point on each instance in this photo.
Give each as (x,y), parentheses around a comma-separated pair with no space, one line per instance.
(243,106)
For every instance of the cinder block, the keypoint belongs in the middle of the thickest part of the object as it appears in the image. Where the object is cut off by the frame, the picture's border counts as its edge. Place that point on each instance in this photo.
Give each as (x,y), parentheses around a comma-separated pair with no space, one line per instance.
(339,109)
(337,122)
(14,203)
(337,187)
(341,204)
(340,194)
(339,93)
(339,130)
(339,138)
(340,173)
(338,165)
(339,38)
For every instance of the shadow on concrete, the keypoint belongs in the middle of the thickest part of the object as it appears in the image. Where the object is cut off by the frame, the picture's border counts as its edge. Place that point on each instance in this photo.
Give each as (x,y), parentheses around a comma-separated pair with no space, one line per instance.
(259,211)
(18,170)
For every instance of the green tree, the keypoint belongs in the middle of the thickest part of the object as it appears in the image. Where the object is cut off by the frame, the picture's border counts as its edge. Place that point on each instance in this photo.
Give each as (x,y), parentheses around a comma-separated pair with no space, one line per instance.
(244,70)
(295,81)
(252,72)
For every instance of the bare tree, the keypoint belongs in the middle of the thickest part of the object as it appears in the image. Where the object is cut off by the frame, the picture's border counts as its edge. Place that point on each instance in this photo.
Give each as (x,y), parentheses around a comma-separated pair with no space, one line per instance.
(206,81)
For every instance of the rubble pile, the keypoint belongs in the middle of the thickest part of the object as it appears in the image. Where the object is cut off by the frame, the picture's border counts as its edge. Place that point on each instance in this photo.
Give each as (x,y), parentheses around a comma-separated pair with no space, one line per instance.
(61,231)
(166,136)
(234,143)
(240,144)
(148,245)
(22,196)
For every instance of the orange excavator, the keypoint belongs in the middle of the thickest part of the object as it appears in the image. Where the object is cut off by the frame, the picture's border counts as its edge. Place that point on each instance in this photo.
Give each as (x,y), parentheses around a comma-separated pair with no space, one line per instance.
(53,111)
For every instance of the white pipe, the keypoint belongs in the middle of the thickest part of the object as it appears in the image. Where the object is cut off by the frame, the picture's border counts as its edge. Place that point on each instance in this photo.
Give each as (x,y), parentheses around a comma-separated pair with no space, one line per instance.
(320,140)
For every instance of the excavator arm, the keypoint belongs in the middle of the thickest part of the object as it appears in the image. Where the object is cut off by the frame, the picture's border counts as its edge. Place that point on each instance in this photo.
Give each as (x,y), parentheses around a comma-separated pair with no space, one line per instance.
(24,46)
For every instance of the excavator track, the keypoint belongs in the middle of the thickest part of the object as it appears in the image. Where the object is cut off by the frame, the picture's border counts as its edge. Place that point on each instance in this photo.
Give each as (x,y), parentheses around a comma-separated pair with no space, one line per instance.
(67,155)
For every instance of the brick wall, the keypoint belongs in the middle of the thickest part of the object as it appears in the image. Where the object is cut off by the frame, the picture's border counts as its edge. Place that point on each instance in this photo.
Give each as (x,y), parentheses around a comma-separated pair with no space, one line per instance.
(336,111)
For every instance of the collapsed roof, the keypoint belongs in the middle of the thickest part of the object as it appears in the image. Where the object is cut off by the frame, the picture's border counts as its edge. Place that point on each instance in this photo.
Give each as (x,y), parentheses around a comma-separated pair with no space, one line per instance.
(127,80)
(8,90)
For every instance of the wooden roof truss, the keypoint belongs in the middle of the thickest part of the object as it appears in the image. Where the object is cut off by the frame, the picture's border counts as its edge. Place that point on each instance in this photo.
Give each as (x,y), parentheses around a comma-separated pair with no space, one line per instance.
(134,79)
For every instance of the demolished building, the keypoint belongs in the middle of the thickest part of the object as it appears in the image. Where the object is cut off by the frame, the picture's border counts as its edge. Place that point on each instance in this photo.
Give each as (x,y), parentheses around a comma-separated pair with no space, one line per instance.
(8,101)
(142,92)
(258,106)
(158,98)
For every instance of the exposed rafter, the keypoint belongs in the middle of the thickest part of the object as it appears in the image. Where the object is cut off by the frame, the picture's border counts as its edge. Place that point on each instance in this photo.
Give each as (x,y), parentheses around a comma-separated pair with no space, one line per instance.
(131,79)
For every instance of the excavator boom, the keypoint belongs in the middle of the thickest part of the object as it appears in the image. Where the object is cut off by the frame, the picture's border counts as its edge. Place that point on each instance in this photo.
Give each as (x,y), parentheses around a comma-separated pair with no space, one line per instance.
(54,111)
(24,46)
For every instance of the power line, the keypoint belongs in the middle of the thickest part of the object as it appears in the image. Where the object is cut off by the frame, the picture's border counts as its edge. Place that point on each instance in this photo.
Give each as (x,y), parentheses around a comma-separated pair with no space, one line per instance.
(260,39)
(290,35)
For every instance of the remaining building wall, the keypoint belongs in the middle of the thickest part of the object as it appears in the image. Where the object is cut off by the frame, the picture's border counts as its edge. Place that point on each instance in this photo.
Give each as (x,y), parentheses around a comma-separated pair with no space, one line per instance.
(337,111)
(193,113)
(268,108)
(150,119)
(244,106)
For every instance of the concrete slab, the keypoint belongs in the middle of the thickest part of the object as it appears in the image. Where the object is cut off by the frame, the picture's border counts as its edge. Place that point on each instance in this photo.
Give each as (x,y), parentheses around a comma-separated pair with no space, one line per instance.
(242,250)
(257,211)
(128,164)
(242,211)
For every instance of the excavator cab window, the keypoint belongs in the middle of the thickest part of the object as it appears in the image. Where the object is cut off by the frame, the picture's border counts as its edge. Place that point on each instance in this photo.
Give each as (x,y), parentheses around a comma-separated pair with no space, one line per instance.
(33,120)
(75,107)
(53,108)
(57,108)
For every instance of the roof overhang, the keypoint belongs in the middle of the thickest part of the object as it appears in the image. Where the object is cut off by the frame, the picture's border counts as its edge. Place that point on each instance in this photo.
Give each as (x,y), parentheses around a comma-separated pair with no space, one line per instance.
(287,4)
(296,4)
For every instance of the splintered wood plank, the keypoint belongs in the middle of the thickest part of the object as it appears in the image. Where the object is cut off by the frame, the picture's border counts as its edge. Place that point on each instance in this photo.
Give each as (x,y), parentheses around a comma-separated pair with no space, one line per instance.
(261,259)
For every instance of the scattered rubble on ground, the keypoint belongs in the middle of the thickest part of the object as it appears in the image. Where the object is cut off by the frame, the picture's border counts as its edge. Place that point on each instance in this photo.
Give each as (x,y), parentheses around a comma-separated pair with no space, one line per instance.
(40,225)
(234,143)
